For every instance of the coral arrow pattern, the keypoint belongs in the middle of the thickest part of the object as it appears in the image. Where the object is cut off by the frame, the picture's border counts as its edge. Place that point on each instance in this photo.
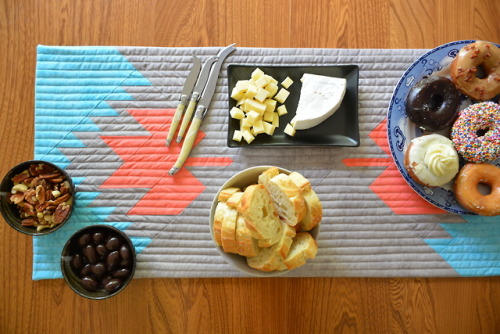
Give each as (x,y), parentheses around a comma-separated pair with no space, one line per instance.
(147,161)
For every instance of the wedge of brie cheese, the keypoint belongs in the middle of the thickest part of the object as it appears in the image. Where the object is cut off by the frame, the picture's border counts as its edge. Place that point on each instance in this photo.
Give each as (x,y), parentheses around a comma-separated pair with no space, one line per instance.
(320,97)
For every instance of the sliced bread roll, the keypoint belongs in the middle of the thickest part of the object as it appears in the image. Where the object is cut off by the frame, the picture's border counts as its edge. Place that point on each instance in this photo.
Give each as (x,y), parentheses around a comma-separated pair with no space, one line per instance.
(234,200)
(228,230)
(246,245)
(267,259)
(314,212)
(300,181)
(224,194)
(303,247)
(220,211)
(261,218)
(286,196)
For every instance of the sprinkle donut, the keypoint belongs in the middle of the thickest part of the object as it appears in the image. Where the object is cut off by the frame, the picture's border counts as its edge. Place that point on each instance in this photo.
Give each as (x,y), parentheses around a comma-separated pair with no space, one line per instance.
(468,194)
(476,132)
(475,71)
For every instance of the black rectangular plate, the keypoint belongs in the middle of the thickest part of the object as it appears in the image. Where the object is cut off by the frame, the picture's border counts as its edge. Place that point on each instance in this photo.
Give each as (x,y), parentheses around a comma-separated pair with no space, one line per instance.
(340,129)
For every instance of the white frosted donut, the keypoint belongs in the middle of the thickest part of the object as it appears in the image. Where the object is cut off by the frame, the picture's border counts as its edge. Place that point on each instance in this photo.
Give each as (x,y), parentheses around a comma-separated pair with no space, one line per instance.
(431,160)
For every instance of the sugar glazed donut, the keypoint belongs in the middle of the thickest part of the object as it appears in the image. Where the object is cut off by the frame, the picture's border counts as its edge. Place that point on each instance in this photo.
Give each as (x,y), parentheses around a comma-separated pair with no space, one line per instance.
(431,160)
(475,71)
(476,132)
(432,103)
(468,194)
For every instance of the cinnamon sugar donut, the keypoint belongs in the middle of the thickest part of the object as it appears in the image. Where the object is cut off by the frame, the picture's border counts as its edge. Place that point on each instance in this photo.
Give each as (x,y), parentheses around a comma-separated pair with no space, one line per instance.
(467,65)
(467,192)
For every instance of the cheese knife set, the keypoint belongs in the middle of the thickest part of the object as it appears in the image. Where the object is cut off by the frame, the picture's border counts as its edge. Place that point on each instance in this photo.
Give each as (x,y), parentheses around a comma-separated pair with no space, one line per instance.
(271,105)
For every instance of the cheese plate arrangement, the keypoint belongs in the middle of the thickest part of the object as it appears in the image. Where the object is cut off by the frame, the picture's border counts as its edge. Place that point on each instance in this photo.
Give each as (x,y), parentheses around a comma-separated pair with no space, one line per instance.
(294,93)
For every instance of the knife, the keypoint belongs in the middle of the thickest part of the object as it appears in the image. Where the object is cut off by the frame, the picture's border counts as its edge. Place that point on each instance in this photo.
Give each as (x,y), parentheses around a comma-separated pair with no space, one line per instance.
(201,110)
(198,89)
(186,91)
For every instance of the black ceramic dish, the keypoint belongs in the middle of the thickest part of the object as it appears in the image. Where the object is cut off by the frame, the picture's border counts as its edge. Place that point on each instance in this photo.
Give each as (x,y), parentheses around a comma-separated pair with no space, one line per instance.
(10,212)
(74,280)
(341,129)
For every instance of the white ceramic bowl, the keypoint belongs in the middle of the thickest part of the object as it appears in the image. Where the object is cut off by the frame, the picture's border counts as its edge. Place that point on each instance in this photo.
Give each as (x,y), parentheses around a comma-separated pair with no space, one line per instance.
(241,180)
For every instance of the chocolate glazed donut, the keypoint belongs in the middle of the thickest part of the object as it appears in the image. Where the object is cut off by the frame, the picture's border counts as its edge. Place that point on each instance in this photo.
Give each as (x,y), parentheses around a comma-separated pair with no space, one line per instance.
(432,103)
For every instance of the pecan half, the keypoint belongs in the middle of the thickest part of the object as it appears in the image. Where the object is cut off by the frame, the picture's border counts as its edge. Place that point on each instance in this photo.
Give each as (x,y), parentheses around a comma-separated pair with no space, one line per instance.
(20,177)
(60,199)
(40,194)
(61,213)
(28,222)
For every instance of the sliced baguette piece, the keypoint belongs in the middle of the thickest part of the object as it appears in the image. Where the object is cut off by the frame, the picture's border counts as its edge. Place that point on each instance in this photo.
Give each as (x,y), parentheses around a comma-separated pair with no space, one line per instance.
(300,181)
(246,245)
(303,247)
(314,212)
(261,217)
(220,211)
(228,230)
(287,229)
(267,259)
(286,196)
(224,194)
(235,199)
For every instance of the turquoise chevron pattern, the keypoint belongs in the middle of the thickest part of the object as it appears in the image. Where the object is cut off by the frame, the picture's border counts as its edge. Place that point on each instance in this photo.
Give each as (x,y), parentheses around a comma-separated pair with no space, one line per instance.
(72,86)
(473,248)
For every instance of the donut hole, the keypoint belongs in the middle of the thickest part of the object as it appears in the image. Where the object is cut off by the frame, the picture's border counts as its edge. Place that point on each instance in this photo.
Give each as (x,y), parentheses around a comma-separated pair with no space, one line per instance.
(481,72)
(484,188)
(435,101)
(482,132)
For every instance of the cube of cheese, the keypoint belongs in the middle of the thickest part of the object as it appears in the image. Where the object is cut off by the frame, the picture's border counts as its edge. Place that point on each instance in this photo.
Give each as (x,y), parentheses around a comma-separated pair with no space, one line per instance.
(256,74)
(237,113)
(251,91)
(276,119)
(238,135)
(272,88)
(282,95)
(258,127)
(245,124)
(269,128)
(282,110)
(268,116)
(242,84)
(248,136)
(262,81)
(237,94)
(290,130)
(261,95)
(270,104)
(271,79)
(251,104)
(287,82)
(253,116)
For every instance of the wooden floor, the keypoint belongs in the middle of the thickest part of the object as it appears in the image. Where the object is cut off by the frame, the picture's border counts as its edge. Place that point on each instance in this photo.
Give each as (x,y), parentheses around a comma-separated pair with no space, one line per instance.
(283,305)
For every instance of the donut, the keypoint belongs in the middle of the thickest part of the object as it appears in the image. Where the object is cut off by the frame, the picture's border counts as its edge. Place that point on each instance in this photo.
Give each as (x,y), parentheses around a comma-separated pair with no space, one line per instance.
(476,132)
(468,194)
(432,103)
(431,160)
(475,71)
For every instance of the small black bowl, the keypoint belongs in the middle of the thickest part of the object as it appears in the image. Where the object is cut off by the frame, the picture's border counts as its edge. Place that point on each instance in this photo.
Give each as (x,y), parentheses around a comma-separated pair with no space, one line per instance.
(76,244)
(10,212)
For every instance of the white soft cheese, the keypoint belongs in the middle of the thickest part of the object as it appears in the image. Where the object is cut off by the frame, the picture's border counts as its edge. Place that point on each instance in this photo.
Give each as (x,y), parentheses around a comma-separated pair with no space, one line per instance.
(320,97)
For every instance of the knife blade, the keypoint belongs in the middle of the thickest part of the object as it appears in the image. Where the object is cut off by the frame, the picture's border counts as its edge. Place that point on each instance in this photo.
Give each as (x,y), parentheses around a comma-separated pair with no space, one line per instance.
(201,110)
(198,89)
(186,91)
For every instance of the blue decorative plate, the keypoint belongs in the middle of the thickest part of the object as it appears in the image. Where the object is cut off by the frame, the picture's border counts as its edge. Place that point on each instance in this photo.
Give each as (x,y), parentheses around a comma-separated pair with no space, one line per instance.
(400,130)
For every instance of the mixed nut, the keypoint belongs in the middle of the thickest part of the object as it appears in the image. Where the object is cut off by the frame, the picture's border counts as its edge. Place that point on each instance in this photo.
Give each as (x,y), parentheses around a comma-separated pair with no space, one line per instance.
(42,195)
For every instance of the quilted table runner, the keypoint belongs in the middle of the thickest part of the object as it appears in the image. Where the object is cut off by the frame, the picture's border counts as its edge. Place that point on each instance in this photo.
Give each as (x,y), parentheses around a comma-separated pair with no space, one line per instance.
(103,114)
